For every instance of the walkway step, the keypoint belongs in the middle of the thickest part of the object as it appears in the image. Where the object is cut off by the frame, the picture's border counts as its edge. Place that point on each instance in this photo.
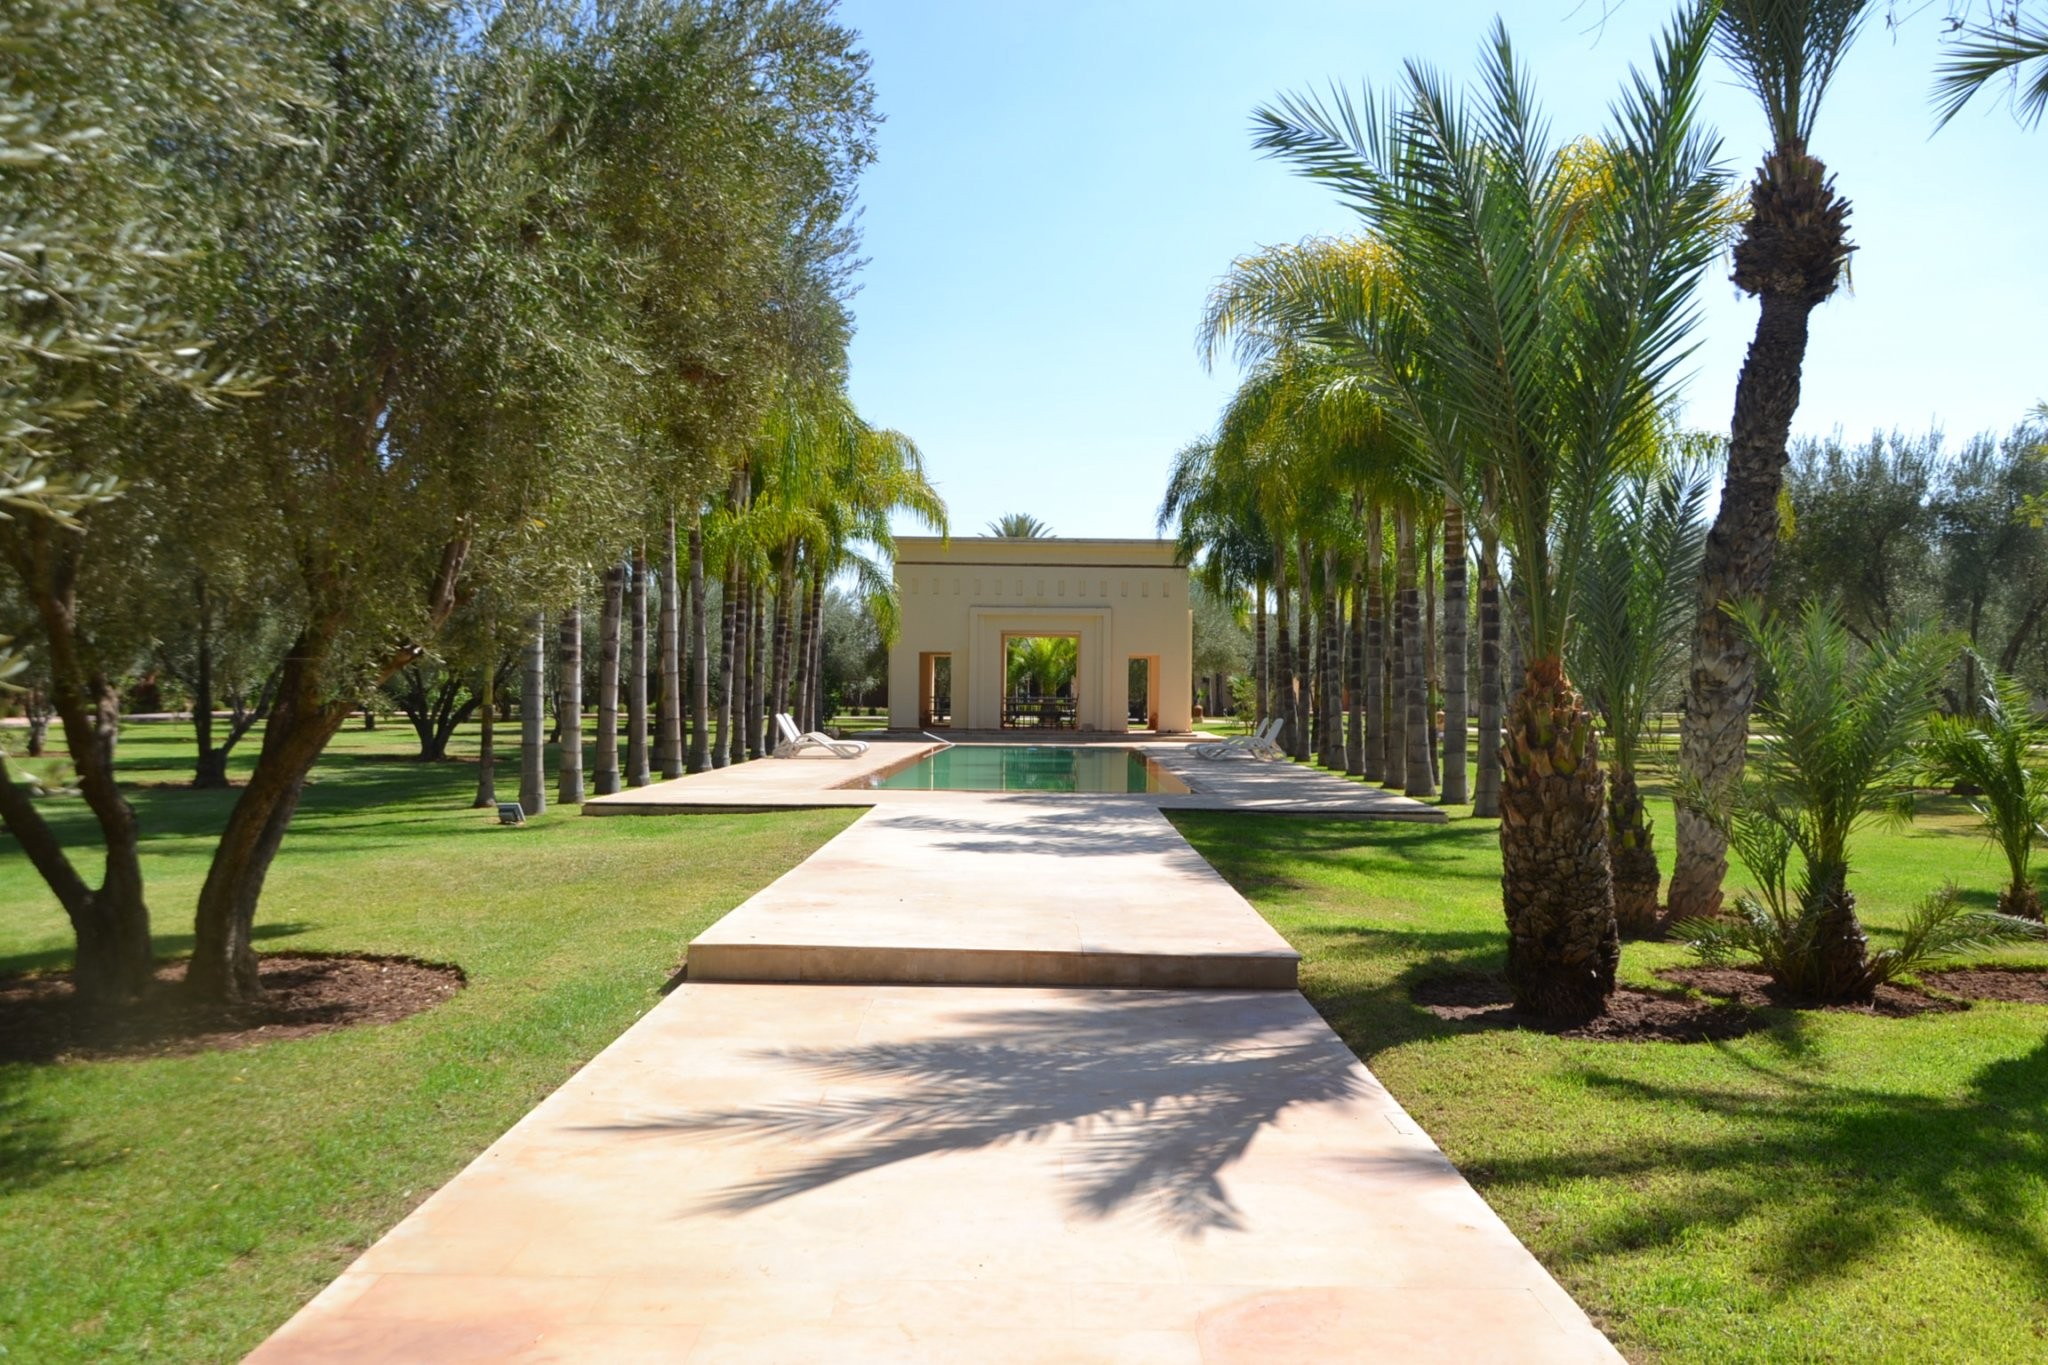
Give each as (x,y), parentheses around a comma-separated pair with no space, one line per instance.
(853,1173)
(1001,891)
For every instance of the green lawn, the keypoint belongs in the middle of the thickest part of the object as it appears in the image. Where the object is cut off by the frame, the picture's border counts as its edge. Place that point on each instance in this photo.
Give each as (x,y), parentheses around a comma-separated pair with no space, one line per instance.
(180,1209)
(1839,1187)
(1836,1188)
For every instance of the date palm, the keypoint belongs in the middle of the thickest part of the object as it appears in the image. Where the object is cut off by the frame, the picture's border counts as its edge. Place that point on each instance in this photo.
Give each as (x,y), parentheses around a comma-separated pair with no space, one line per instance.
(1838,750)
(1984,52)
(1995,752)
(1536,325)
(1634,606)
(1019,526)
(1790,257)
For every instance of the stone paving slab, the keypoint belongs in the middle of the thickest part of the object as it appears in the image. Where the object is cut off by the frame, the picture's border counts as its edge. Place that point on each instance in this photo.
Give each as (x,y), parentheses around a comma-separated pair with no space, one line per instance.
(948,1174)
(1001,890)
(1226,784)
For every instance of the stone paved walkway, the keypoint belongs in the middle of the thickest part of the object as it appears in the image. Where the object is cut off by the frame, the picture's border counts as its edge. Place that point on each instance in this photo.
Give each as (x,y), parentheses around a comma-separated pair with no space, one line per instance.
(938,1173)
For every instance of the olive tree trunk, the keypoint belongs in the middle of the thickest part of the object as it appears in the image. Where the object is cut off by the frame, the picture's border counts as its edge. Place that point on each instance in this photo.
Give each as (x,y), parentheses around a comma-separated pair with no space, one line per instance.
(114,961)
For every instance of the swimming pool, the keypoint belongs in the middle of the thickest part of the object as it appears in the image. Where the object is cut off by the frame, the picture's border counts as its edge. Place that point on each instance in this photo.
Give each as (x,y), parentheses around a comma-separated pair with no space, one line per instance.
(1029,768)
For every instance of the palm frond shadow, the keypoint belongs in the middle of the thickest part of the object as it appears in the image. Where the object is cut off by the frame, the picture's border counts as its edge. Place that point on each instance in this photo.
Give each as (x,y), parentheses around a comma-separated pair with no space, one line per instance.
(1862,1165)
(1153,1099)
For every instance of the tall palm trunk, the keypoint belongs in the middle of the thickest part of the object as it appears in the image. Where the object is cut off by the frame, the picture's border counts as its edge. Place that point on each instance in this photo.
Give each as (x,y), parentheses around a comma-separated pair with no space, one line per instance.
(487,740)
(533,777)
(1354,682)
(670,745)
(1329,673)
(1556,883)
(1415,693)
(700,655)
(1486,795)
(814,711)
(1261,671)
(1394,755)
(785,608)
(1790,257)
(1375,648)
(739,665)
(800,652)
(569,784)
(607,779)
(757,669)
(1302,681)
(636,678)
(1283,654)
(728,627)
(1457,615)
(1432,679)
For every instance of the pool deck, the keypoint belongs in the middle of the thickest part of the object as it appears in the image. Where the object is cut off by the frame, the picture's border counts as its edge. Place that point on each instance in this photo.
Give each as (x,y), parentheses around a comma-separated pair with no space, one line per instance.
(998,890)
(815,781)
(942,1175)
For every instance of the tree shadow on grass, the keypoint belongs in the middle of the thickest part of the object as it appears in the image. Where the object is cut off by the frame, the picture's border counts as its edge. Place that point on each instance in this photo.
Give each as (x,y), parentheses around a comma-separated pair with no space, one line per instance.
(1838,1171)
(34,1143)
(164,945)
(1154,1095)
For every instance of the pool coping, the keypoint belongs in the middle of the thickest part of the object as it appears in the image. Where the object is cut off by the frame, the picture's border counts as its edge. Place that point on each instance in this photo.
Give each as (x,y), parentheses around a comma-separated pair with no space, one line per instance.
(1231,784)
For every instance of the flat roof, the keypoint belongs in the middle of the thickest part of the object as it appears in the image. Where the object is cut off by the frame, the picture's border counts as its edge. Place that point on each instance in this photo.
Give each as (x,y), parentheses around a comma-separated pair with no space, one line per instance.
(1047,551)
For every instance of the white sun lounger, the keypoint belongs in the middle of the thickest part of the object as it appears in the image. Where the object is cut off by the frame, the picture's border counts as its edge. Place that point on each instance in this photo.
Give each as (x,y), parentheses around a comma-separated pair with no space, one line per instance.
(795,742)
(1262,743)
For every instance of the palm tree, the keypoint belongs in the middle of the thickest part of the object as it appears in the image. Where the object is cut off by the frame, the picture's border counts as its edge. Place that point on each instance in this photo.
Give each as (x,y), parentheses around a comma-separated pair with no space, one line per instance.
(1313,444)
(1993,751)
(1635,603)
(1790,257)
(1982,53)
(1838,750)
(1019,526)
(1540,313)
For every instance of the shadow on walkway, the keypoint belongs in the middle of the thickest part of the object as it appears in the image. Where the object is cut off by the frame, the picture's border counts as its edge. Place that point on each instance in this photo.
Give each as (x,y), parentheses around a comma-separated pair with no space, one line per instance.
(1155,1097)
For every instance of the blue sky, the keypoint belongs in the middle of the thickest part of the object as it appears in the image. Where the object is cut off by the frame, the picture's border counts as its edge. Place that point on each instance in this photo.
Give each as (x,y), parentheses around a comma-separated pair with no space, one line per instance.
(1060,184)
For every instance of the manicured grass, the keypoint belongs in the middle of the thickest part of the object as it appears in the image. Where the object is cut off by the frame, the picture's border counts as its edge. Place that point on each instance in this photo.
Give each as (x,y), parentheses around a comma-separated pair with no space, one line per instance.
(181,1208)
(1837,1188)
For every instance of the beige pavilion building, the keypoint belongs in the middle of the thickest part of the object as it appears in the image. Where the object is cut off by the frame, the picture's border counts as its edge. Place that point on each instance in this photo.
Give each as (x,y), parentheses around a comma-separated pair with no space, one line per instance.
(964,600)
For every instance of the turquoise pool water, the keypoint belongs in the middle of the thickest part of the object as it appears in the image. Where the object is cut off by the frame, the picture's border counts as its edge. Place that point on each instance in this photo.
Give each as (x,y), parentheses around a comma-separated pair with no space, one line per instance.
(1030,768)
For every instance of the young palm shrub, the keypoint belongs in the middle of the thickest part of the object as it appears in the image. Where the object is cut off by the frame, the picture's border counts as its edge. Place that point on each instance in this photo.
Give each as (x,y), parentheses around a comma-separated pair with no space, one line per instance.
(1840,725)
(1634,607)
(1994,752)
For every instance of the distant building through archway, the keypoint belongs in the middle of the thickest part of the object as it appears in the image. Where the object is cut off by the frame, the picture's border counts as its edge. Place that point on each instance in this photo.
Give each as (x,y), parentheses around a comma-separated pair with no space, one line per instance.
(1123,602)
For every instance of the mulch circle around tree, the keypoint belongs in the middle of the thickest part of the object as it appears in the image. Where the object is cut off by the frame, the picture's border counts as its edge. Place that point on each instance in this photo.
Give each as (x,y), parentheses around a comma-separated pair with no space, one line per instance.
(1756,990)
(1633,1016)
(304,994)
(2014,985)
